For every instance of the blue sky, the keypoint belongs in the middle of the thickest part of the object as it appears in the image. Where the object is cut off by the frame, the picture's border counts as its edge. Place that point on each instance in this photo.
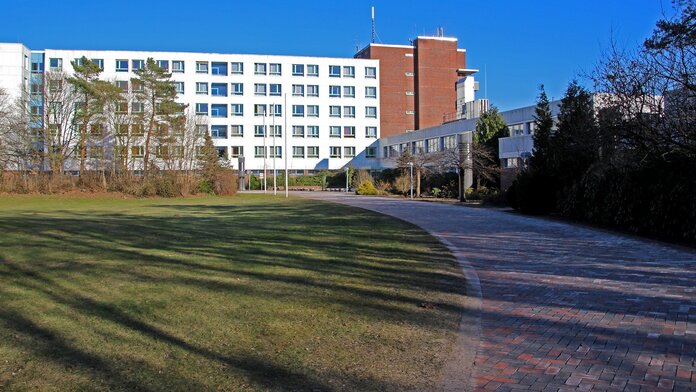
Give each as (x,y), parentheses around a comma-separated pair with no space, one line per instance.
(519,43)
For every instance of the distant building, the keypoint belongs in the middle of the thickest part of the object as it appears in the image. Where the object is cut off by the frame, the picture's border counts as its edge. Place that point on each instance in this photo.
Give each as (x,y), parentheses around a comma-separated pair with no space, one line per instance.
(421,85)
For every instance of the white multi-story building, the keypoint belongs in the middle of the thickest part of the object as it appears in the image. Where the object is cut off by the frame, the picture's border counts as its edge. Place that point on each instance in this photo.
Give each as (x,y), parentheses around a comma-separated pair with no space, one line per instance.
(327,108)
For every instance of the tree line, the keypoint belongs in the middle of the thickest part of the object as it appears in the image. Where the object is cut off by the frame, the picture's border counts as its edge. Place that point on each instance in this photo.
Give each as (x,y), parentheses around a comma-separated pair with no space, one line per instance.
(129,136)
(625,154)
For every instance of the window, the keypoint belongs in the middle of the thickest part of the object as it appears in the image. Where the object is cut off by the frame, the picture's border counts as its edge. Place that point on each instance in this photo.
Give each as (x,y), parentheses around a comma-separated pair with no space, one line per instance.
(371,72)
(259,89)
(334,111)
(137,130)
(121,84)
(137,86)
(218,89)
(202,67)
(218,131)
(201,88)
(259,151)
(371,111)
(334,131)
(202,108)
(99,62)
(370,92)
(349,91)
(179,86)
(348,71)
(312,70)
(164,64)
(201,130)
(312,110)
(177,66)
(349,111)
(237,109)
(277,131)
(334,71)
(335,91)
(432,144)
(276,110)
(122,107)
(259,130)
(298,70)
(259,69)
(122,129)
(335,152)
(370,152)
(236,151)
(298,90)
(138,151)
(237,68)
(349,152)
(236,130)
(222,152)
(312,90)
(55,63)
(298,110)
(312,152)
(259,110)
(138,107)
(312,131)
(96,129)
(218,110)
(349,132)
(297,131)
(237,89)
(449,142)
(298,152)
(138,64)
(218,68)
(121,65)
(275,89)
(275,69)
(371,132)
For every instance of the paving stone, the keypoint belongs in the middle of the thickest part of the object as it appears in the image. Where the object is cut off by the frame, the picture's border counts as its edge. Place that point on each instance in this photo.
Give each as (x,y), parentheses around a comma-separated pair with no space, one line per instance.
(614,312)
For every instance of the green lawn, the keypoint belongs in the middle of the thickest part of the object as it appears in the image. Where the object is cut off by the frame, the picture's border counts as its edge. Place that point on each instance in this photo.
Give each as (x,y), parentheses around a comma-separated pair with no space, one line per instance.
(244,293)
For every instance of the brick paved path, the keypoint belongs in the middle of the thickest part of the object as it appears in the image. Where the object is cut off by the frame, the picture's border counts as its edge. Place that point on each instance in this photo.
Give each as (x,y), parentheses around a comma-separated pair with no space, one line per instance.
(565,307)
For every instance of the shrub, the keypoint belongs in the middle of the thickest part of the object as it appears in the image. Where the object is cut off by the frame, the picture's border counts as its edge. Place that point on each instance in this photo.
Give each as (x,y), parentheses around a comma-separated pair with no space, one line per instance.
(367,188)
(402,184)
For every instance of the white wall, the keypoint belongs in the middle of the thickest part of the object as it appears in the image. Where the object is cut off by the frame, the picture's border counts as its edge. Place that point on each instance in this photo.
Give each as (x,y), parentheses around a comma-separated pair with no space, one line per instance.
(14,68)
(248,120)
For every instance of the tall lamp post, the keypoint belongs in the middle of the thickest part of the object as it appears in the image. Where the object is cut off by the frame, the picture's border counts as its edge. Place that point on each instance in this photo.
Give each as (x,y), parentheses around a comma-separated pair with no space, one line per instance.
(410,165)
(275,185)
(264,152)
(285,144)
(346,179)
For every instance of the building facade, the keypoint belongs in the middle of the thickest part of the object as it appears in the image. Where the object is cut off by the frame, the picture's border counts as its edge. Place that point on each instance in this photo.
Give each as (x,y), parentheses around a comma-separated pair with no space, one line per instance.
(328,108)
(420,84)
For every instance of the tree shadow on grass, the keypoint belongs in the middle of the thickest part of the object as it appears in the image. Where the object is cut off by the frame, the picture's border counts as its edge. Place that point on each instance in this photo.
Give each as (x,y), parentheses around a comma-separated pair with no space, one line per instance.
(319,254)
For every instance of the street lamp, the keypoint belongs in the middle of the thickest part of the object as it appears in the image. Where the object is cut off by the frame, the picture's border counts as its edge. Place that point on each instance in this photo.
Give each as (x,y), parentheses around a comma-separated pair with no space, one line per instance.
(410,165)
(346,179)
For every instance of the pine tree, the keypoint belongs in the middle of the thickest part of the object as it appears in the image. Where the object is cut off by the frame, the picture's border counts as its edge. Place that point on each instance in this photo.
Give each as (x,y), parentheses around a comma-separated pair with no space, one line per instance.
(543,125)
(95,94)
(158,93)
(209,164)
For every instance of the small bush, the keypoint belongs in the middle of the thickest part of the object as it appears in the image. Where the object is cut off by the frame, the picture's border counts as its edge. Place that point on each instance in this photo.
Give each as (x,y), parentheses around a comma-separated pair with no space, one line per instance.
(367,188)
(402,184)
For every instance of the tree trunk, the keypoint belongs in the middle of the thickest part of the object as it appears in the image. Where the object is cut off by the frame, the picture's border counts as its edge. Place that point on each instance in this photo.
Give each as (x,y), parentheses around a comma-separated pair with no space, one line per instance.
(418,182)
(147,138)
(83,138)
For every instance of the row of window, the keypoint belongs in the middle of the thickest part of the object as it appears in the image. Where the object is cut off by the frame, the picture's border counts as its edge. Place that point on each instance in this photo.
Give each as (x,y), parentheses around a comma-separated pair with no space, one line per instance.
(273,89)
(225,68)
(421,146)
(309,131)
(237,109)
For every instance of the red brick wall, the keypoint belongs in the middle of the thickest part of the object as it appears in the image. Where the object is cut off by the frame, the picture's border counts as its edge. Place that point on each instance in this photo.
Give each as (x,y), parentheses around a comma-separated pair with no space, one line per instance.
(437,62)
(393,85)
(434,63)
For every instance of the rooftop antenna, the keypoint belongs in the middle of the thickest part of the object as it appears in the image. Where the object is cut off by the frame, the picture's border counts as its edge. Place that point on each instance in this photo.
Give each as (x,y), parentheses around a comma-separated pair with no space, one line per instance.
(373,24)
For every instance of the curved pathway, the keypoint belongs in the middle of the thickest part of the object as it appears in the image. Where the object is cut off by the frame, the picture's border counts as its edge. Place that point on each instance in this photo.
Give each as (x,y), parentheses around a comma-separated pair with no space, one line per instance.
(560,306)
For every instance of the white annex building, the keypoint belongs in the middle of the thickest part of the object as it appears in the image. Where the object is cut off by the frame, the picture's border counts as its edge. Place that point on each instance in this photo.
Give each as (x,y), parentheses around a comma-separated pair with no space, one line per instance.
(328,108)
